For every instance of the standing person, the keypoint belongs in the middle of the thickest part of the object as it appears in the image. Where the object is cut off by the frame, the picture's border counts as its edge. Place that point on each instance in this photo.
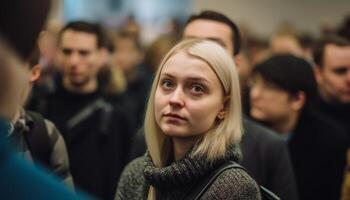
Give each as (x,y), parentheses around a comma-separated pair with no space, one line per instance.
(332,73)
(265,155)
(36,138)
(95,132)
(129,57)
(192,126)
(19,179)
(282,95)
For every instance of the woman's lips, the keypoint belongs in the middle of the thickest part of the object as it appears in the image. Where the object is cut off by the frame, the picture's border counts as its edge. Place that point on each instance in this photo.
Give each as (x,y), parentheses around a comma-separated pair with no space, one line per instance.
(174,116)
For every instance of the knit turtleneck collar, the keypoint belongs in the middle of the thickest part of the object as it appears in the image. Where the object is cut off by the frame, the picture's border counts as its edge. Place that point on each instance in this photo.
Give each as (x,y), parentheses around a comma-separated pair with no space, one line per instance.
(186,171)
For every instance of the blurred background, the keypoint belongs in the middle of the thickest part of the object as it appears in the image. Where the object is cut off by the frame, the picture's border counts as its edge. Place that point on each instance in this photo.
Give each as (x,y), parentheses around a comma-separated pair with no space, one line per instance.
(260,18)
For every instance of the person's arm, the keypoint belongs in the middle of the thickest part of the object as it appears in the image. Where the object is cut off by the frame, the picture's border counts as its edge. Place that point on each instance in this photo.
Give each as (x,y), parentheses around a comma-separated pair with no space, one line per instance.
(131,183)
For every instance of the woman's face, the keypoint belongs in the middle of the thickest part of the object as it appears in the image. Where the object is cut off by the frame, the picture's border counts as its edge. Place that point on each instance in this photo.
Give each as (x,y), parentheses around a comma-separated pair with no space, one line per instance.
(188,97)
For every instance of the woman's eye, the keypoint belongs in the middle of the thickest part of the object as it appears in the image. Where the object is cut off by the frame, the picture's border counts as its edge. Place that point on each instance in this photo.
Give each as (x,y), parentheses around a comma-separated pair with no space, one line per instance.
(167,84)
(197,89)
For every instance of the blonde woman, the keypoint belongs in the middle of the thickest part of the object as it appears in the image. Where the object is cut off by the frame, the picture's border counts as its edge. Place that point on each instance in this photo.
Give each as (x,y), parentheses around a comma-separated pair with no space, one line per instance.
(192,126)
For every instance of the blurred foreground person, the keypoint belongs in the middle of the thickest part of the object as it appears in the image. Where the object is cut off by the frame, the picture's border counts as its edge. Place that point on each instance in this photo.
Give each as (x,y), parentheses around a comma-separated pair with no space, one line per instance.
(19,179)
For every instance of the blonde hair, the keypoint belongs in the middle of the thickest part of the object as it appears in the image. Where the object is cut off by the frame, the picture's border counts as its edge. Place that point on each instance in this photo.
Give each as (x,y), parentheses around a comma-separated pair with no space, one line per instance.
(225,132)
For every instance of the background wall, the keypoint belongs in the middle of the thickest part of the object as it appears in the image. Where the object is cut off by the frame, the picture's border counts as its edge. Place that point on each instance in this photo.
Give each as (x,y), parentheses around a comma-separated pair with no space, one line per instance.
(263,16)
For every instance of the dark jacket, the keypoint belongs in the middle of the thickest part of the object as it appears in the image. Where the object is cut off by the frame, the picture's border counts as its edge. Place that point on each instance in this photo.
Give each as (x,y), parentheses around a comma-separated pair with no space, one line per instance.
(318,151)
(137,93)
(176,180)
(96,134)
(20,180)
(265,156)
(338,113)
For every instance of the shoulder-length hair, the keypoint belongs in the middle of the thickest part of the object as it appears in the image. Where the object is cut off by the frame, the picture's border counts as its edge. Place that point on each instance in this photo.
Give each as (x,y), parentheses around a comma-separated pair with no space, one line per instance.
(224,132)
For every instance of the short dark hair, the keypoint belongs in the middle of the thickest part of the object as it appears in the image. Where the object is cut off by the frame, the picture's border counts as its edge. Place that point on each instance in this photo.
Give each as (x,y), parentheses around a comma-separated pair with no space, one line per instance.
(87,27)
(289,73)
(318,52)
(21,23)
(216,16)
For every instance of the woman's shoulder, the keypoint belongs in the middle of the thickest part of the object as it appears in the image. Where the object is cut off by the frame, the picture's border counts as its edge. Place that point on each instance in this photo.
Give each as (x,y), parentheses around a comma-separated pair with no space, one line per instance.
(134,169)
(132,181)
(233,183)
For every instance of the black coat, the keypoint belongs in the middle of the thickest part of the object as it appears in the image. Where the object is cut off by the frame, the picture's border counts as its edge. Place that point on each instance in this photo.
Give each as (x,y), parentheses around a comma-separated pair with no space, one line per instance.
(339,113)
(318,152)
(265,156)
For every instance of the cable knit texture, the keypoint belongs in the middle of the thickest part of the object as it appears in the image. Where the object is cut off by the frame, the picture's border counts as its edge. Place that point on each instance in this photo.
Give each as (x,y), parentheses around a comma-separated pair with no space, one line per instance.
(177,179)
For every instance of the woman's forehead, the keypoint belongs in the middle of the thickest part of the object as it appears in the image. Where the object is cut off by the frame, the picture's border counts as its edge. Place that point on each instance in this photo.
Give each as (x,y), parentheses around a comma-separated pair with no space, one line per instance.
(183,64)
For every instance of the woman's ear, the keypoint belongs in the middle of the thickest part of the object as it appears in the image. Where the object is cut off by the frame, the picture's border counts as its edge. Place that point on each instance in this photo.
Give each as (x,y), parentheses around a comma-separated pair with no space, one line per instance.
(222,112)
(35,73)
(221,115)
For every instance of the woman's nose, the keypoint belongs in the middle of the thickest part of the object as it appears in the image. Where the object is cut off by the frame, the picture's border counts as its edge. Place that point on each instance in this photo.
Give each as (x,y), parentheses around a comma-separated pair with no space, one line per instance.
(176,98)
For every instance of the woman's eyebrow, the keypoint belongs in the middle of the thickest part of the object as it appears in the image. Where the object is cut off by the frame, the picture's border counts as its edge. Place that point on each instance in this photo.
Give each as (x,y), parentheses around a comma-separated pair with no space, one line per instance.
(199,79)
(191,78)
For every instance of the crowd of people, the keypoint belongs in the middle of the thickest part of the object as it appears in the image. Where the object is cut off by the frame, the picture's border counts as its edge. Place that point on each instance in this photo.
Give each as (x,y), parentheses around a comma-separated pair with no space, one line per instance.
(87,112)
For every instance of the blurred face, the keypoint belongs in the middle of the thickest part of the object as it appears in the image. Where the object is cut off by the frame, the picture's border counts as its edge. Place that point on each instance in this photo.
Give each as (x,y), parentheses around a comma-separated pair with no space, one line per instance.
(13,82)
(268,102)
(79,57)
(47,46)
(334,76)
(286,45)
(212,30)
(127,55)
(188,97)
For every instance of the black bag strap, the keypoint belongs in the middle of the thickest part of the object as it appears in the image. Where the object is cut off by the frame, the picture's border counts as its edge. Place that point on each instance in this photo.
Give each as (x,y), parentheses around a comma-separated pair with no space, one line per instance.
(197,192)
(38,139)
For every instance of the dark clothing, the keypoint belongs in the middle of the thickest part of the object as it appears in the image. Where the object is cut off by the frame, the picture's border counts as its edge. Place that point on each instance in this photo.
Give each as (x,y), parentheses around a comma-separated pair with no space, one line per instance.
(57,158)
(96,134)
(20,180)
(339,113)
(137,93)
(176,180)
(265,156)
(318,151)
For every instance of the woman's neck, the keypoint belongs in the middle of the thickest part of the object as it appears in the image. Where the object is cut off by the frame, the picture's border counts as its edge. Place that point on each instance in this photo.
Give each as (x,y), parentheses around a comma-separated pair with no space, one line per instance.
(182,145)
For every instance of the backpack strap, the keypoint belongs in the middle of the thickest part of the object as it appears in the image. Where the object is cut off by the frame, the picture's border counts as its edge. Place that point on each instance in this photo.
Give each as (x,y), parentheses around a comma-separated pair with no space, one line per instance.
(38,139)
(199,189)
(100,107)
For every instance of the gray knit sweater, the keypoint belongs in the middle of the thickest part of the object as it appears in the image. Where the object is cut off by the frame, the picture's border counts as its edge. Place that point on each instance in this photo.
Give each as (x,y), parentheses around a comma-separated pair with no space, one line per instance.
(175,181)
